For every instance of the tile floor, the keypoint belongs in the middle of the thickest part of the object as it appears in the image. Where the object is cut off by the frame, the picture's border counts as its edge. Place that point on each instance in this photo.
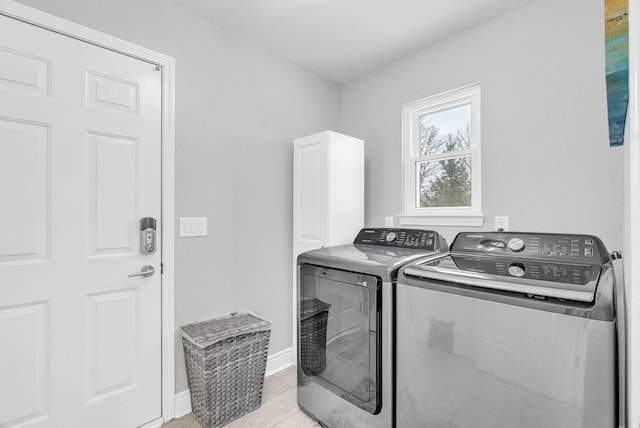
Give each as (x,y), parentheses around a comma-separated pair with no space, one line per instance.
(279,407)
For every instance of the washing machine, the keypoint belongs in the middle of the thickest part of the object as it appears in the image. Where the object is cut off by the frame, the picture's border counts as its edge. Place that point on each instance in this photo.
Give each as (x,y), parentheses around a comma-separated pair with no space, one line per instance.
(345,325)
(510,330)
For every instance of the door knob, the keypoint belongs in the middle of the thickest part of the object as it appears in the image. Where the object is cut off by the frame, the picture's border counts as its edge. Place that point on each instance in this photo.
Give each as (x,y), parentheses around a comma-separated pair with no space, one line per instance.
(146,271)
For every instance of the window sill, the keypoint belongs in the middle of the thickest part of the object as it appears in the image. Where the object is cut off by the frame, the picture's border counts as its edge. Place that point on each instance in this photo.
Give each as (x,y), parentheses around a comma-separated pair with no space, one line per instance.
(474,220)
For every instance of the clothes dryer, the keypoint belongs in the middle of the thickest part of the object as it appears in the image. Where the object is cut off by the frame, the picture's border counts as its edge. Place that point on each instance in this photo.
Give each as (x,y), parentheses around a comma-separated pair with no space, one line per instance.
(510,330)
(345,325)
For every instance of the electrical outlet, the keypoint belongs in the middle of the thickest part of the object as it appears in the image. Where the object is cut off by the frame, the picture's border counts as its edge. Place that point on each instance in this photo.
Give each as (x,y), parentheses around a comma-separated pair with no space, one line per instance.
(502,223)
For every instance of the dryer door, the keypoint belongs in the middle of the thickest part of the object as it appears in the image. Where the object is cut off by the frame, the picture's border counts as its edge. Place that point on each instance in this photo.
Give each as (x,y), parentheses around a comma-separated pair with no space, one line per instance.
(339,333)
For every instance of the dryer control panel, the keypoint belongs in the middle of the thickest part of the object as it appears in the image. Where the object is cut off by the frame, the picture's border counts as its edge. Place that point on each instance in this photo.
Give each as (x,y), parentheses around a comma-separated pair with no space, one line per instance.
(572,249)
(401,238)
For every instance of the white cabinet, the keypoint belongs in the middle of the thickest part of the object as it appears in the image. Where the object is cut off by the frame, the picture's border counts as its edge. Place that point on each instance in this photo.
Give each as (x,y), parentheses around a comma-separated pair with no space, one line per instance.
(328,190)
(328,195)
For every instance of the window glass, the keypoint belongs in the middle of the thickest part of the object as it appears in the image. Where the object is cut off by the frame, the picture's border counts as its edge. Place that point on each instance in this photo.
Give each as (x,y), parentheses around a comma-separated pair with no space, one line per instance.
(445,183)
(445,131)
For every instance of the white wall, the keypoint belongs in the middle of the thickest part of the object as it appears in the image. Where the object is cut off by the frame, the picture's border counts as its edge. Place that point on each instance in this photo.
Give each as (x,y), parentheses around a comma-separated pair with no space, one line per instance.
(237,111)
(546,159)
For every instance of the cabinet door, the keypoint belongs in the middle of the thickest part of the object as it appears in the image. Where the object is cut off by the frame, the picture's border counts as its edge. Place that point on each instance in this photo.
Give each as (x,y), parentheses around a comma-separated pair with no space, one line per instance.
(309,193)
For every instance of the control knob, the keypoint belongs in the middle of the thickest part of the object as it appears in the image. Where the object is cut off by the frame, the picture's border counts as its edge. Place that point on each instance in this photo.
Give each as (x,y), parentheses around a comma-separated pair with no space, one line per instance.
(516,244)
(516,269)
(391,236)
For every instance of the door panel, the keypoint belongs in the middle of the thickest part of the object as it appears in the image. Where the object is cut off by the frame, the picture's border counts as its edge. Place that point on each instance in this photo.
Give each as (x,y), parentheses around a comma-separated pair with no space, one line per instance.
(110,92)
(25,327)
(112,343)
(23,72)
(113,180)
(24,178)
(80,164)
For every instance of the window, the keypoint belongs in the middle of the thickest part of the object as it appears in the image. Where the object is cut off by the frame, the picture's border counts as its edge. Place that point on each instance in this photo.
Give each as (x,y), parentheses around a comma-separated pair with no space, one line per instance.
(441,159)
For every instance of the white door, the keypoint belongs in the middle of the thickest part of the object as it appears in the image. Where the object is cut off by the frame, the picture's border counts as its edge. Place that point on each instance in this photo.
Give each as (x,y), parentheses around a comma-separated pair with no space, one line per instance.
(80,164)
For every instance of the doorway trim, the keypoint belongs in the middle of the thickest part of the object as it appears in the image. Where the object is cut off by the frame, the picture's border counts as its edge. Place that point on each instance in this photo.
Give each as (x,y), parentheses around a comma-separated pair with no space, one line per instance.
(52,23)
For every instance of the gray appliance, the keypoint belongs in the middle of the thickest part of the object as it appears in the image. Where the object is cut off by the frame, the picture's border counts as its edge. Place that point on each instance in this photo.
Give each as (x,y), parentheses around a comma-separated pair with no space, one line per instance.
(509,330)
(345,330)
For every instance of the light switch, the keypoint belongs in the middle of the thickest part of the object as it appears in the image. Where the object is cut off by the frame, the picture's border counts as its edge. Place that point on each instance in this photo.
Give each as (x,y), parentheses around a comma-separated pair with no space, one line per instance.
(193,226)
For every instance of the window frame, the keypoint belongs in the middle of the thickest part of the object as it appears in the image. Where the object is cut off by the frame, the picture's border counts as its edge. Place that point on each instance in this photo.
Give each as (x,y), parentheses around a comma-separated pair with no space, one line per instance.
(441,216)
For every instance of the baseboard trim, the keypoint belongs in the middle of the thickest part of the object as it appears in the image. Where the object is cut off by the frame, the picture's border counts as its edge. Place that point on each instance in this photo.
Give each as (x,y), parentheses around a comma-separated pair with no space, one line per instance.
(153,424)
(182,404)
(275,363)
(279,361)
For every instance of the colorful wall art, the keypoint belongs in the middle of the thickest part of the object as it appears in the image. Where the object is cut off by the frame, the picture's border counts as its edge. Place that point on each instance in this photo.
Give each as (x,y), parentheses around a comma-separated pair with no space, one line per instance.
(616,24)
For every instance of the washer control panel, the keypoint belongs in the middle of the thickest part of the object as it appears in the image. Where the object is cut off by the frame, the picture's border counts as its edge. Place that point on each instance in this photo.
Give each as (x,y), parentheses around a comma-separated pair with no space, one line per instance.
(401,238)
(585,249)
(562,273)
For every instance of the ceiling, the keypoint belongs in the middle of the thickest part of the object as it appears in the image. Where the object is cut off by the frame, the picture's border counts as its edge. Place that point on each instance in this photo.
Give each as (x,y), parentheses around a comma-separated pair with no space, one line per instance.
(345,39)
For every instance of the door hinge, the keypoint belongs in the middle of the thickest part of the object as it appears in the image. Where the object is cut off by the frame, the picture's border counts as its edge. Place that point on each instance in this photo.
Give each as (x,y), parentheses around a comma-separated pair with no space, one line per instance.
(161,268)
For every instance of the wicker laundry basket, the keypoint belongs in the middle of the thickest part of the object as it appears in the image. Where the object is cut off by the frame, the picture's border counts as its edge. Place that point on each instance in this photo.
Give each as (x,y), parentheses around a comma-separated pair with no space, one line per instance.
(313,335)
(226,359)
